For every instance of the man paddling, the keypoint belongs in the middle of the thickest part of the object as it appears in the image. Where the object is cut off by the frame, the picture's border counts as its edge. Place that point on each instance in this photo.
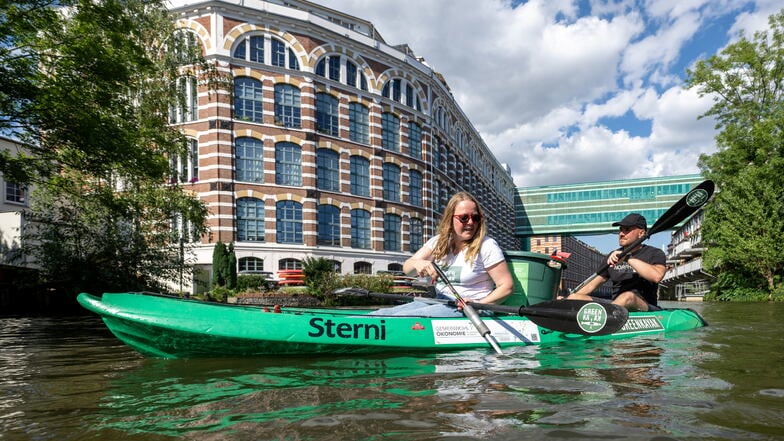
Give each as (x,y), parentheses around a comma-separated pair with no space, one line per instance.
(635,277)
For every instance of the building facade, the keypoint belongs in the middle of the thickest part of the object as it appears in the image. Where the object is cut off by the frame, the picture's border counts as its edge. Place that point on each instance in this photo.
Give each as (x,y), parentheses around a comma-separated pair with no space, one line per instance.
(685,279)
(582,260)
(15,199)
(592,207)
(548,217)
(324,142)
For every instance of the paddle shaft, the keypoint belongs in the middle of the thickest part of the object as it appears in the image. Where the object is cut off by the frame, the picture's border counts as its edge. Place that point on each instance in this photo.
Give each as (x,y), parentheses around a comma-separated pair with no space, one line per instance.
(559,315)
(470,312)
(680,211)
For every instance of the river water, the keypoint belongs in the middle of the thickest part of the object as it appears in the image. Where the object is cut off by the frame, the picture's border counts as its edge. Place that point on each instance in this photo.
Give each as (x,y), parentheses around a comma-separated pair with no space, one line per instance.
(68,378)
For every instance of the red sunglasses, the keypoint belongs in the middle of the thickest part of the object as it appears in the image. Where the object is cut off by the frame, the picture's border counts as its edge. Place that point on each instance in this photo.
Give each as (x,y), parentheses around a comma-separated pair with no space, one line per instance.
(463,218)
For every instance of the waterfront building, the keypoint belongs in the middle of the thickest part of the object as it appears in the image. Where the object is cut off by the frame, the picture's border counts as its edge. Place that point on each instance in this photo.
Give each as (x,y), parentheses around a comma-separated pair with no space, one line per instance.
(547,218)
(326,142)
(685,279)
(14,201)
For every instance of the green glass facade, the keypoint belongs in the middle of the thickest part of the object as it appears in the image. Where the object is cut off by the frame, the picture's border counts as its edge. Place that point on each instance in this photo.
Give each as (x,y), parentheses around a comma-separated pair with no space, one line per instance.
(591,208)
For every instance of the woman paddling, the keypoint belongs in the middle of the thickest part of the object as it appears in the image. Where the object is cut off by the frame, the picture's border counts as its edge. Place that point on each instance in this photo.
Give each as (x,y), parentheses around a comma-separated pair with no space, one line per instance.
(473,262)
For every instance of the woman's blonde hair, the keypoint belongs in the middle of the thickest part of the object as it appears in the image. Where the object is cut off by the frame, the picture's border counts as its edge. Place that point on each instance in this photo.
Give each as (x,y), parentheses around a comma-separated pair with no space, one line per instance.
(446,233)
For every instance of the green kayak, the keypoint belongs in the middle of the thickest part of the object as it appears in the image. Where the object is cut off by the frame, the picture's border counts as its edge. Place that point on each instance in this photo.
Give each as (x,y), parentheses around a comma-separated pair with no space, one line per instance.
(172,327)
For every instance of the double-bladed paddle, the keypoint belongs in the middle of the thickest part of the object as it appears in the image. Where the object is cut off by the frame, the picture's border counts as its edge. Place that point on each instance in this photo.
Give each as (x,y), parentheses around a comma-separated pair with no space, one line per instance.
(685,207)
(569,316)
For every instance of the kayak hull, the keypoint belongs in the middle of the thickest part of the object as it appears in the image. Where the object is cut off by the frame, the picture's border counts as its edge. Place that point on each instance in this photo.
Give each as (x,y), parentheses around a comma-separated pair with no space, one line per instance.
(172,327)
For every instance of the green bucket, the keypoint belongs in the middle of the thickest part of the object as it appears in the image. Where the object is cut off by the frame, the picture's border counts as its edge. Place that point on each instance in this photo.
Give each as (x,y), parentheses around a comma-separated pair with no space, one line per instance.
(536,277)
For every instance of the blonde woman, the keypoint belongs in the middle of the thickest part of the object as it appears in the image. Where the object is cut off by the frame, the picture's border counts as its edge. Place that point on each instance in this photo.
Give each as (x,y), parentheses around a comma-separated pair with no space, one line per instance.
(473,262)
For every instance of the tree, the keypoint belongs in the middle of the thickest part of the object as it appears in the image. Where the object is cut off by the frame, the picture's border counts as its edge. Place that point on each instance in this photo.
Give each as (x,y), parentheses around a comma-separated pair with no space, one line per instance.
(742,227)
(231,267)
(87,87)
(319,275)
(219,264)
(749,245)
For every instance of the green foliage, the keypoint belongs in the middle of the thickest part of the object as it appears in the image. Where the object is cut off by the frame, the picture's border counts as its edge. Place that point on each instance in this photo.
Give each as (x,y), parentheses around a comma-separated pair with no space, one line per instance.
(219,294)
(321,280)
(743,227)
(86,87)
(777,295)
(736,286)
(380,283)
(231,267)
(219,262)
(294,290)
(364,281)
(224,266)
(252,282)
(319,275)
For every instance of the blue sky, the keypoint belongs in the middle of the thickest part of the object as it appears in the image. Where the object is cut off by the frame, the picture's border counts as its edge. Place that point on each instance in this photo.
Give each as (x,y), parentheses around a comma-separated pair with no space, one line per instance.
(574,91)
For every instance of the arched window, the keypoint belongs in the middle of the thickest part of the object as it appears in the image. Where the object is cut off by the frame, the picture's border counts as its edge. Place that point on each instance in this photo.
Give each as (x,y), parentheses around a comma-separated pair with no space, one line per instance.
(250,48)
(288,164)
(360,229)
(185,167)
(330,67)
(391,182)
(337,266)
(390,132)
(392,226)
(360,176)
(254,48)
(185,46)
(327,170)
(279,54)
(416,235)
(250,265)
(289,264)
(358,123)
(328,225)
(327,114)
(186,108)
(288,106)
(363,268)
(395,267)
(355,77)
(248,104)
(250,220)
(288,217)
(400,90)
(249,159)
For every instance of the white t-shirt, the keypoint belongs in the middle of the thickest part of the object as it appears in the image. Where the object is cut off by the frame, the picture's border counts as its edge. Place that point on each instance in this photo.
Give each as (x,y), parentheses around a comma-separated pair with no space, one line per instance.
(471,282)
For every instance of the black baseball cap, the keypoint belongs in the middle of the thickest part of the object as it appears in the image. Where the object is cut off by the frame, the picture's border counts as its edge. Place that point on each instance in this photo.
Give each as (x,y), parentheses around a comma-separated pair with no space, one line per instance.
(632,220)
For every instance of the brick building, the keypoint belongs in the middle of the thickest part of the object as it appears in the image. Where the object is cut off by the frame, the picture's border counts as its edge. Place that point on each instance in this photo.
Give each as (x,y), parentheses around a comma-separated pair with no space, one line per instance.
(328,142)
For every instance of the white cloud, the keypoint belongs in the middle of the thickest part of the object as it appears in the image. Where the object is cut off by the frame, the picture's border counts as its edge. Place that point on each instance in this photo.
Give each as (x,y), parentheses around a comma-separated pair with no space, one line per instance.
(537,79)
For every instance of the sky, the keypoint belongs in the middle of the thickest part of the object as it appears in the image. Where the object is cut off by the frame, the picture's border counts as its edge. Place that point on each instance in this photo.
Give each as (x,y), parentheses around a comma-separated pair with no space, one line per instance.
(574,91)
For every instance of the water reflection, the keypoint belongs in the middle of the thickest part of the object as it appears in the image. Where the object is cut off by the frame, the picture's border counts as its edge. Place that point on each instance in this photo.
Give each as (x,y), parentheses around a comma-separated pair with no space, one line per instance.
(67,378)
(468,393)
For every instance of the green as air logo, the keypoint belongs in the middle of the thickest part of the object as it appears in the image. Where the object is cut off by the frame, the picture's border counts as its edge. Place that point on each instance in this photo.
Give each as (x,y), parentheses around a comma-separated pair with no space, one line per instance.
(696,197)
(591,318)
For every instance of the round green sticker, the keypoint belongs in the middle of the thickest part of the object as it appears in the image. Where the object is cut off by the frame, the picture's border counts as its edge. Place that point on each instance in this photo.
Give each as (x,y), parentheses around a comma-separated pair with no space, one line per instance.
(591,317)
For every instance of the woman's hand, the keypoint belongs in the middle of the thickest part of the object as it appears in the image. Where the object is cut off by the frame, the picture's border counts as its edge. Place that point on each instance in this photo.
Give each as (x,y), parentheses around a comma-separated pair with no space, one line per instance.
(424,268)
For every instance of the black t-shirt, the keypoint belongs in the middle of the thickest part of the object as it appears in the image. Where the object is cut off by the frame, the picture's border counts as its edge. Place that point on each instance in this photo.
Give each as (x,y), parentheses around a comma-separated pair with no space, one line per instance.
(625,278)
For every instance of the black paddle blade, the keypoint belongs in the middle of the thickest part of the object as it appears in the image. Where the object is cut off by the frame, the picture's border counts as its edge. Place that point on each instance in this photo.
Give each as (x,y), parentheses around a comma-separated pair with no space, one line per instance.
(578,316)
(685,207)
(569,316)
